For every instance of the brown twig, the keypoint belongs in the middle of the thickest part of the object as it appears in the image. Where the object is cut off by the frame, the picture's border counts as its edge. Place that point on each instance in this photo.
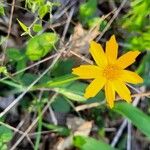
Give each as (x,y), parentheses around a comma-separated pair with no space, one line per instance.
(9,30)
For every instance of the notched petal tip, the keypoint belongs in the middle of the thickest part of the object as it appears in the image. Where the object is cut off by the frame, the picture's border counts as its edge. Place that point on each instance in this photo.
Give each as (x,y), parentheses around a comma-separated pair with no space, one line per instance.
(141,80)
(128,100)
(86,95)
(113,37)
(110,105)
(136,52)
(74,70)
(92,43)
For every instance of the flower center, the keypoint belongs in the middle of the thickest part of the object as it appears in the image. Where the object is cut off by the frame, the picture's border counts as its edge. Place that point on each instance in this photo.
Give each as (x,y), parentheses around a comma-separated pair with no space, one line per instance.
(111,72)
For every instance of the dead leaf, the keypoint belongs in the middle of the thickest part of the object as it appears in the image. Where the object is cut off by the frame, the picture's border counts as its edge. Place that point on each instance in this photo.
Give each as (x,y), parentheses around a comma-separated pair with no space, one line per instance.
(80,127)
(82,37)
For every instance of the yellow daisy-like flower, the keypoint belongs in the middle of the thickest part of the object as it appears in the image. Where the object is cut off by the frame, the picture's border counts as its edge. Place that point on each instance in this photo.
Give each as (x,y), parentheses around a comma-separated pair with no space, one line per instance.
(109,72)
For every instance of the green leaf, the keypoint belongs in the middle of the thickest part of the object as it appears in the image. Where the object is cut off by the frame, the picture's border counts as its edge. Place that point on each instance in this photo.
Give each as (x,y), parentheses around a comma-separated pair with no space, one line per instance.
(3,146)
(28,78)
(136,116)
(37,27)
(23,26)
(62,67)
(61,105)
(2,12)
(58,129)
(5,134)
(87,143)
(73,91)
(3,70)
(21,64)
(60,81)
(14,54)
(87,10)
(40,45)
(97,21)
(42,11)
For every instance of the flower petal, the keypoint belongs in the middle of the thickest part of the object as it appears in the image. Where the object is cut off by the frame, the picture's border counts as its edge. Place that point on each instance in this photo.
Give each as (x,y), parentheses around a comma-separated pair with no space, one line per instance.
(122,90)
(87,71)
(127,59)
(110,94)
(94,87)
(131,77)
(98,54)
(112,49)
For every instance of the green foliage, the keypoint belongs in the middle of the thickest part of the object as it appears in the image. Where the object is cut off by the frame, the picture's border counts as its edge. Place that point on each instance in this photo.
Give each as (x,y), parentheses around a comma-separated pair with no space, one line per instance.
(88,10)
(43,7)
(5,136)
(2,12)
(60,81)
(88,15)
(25,28)
(57,129)
(137,21)
(14,54)
(73,91)
(144,68)
(63,67)
(28,78)
(3,70)
(140,41)
(37,27)
(17,57)
(136,116)
(41,45)
(42,11)
(61,105)
(86,143)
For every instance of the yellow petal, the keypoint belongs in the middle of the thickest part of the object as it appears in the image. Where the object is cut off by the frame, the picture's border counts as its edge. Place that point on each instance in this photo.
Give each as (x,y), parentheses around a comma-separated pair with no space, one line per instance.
(127,59)
(112,49)
(98,54)
(122,90)
(130,77)
(110,94)
(87,71)
(94,87)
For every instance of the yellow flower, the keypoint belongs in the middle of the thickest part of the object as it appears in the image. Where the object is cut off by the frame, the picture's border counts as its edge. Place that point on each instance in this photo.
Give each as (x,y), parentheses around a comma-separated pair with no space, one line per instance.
(109,72)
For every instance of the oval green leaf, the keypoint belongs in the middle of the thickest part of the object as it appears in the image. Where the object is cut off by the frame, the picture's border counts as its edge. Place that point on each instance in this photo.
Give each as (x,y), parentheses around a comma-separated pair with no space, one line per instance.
(135,115)
(87,143)
(40,45)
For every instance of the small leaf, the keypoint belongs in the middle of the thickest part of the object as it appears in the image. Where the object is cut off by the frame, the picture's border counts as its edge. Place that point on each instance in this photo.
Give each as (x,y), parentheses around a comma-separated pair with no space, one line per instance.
(58,129)
(62,67)
(87,143)
(23,26)
(5,134)
(37,27)
(61,105)
(14,54)
(42,11)
(3,70)
(60,81)
(2,12)
(40,45)
(136,116)
(28,78)
(87,10)
(73,95)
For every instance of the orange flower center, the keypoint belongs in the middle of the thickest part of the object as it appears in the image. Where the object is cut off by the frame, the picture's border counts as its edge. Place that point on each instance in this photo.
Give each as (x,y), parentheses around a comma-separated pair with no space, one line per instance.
(111,72)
